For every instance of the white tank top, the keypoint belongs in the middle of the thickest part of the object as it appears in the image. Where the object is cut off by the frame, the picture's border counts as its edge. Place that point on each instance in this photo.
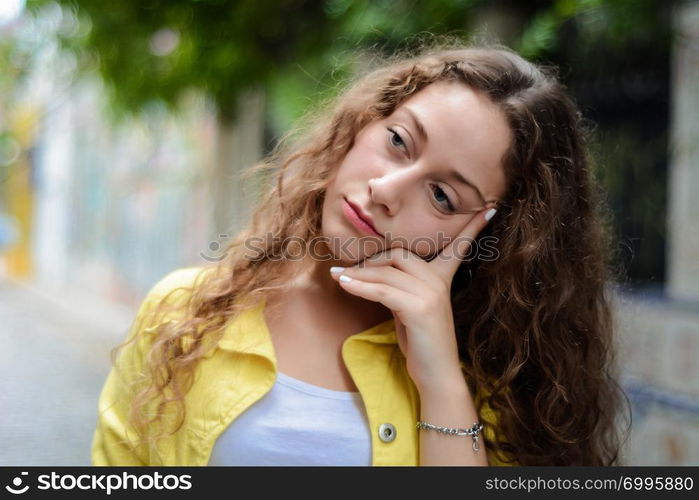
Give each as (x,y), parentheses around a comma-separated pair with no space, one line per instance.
(297,423)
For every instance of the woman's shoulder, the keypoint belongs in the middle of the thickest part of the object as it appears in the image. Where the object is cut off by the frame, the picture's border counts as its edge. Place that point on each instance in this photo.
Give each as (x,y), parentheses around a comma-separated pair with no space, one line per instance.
(182,278)
(164,299)
(174,287)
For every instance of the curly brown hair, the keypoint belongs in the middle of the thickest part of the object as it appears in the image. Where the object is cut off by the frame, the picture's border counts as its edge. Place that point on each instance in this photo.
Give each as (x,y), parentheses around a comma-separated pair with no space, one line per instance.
(534,326)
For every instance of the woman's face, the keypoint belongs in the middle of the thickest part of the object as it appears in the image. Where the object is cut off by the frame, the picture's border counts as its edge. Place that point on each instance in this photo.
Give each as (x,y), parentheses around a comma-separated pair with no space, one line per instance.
(402,172)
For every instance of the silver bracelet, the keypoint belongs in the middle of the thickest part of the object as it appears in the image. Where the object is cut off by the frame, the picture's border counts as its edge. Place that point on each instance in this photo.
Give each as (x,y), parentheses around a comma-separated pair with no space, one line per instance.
(454,431)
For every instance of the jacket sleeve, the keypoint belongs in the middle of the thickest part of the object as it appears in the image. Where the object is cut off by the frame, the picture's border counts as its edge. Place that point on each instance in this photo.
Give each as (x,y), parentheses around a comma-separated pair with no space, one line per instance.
(113,439)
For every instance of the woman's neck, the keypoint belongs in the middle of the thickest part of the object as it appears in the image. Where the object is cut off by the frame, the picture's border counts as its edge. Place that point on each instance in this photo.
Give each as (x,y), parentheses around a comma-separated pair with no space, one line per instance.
(316,282)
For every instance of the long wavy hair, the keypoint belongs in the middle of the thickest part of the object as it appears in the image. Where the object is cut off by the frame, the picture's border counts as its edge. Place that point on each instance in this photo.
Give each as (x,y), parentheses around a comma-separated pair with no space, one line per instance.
(535,326)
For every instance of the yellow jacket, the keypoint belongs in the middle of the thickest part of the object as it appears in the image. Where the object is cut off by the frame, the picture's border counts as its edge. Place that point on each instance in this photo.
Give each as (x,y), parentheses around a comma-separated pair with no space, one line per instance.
(240,371)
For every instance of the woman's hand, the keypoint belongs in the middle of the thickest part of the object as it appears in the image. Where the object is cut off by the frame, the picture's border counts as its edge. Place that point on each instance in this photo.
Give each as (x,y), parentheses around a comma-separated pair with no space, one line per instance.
(418,294)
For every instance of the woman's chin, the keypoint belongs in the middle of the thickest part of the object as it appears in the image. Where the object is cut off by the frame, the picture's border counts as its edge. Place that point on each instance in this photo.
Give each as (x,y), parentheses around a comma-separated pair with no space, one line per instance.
(350,249)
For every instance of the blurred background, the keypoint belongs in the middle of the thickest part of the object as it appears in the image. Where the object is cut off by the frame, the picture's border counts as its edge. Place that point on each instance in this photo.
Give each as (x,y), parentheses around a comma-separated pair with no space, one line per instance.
(124,126)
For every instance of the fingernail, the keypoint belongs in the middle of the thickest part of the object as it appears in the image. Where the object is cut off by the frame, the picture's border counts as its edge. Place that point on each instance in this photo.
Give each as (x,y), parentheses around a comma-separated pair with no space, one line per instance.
(345,278)
(336,269)
(489,214)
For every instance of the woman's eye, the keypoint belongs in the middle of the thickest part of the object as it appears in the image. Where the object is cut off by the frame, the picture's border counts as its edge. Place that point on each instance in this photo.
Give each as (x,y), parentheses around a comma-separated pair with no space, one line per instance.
(442,198)
(397,140)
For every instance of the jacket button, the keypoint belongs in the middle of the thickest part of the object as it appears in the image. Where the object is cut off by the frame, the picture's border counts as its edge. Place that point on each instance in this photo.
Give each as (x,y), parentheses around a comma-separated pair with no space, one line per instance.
(387,432)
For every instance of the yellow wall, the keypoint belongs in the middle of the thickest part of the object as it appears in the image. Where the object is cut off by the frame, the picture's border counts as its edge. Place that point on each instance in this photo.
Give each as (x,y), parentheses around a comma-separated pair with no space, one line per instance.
(19,195)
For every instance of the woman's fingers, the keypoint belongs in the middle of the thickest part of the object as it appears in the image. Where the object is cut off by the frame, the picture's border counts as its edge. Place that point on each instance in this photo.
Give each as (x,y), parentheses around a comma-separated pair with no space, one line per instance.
(400,258)
(385,274)
(395,299)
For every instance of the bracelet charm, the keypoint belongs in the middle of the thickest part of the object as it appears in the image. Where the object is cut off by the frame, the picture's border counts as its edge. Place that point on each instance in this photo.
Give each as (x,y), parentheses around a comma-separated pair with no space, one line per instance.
(455,431)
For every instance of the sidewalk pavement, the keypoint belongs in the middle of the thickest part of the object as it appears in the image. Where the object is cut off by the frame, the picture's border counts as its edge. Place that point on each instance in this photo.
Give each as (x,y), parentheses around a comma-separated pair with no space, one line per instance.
(54,359)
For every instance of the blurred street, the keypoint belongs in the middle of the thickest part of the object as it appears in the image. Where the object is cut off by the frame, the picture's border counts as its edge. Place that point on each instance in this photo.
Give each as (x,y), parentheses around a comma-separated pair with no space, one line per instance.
(53,363)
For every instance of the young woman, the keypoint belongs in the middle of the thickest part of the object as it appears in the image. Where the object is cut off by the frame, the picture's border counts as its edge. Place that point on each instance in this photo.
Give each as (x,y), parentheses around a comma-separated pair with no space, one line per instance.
(423,282)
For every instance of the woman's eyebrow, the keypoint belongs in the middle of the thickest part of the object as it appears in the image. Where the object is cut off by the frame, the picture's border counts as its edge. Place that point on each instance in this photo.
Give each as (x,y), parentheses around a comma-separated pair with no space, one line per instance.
(453,173)
(418,124)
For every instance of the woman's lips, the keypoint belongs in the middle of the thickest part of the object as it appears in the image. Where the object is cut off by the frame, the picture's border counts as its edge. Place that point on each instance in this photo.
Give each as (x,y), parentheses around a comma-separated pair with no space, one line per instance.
(356,220)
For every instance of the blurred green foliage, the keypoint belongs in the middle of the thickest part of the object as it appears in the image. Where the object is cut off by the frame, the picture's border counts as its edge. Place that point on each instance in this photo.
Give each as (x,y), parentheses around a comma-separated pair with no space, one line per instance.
(158,49)
(300,50)
(612,54)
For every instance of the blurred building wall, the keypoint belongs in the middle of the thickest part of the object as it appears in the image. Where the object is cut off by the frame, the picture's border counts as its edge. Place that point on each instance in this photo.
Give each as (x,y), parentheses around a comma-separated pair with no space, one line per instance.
(660,336)
(17,193)
(683,226)
(118,205)
(113,203)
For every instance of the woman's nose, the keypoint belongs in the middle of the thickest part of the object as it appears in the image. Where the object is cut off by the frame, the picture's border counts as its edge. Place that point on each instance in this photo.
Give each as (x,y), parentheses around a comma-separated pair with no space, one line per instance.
(390,189)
